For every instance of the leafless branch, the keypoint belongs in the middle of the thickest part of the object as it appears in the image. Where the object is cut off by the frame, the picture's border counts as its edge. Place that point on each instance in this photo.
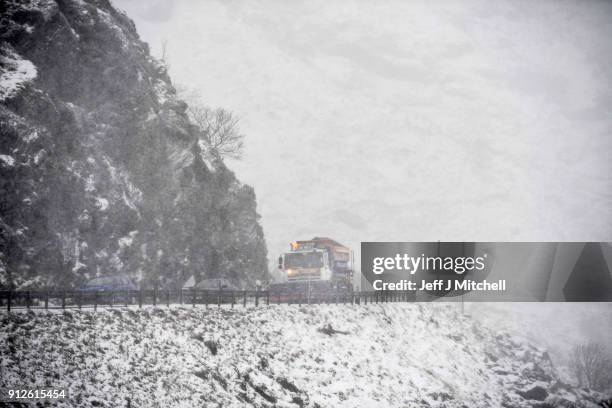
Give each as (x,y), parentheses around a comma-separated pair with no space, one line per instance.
(592,366)
(218,127)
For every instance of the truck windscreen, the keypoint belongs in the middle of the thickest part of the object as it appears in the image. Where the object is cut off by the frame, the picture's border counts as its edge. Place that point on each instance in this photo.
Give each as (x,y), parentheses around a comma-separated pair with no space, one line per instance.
(303,260)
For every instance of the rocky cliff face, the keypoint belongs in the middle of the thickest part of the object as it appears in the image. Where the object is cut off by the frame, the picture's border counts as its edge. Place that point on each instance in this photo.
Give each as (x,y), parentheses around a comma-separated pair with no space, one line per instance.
(100,169)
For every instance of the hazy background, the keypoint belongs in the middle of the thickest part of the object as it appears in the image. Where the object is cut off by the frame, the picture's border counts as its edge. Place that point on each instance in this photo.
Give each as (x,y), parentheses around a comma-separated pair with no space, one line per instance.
(414,121)
(402,121)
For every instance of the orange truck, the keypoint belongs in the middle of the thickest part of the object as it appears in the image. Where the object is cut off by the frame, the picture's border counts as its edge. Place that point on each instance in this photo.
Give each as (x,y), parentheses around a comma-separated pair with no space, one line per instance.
(319,264)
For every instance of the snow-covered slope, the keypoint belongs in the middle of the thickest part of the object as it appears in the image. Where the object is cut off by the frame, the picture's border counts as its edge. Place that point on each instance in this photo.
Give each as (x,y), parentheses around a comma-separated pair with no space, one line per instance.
(392,355)
(15,72)
(557,326)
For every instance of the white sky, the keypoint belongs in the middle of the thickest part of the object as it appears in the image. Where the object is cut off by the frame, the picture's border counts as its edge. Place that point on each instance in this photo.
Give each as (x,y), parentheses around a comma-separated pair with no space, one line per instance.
(407,121)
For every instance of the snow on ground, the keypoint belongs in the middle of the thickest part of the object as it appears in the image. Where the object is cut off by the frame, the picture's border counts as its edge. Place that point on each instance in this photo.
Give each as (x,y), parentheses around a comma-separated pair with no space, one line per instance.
(8,160)
(557,326)
(392,355)
(14,73)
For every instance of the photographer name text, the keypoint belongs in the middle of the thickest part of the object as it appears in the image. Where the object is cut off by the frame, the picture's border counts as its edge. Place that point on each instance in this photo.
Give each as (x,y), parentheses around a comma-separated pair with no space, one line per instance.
(441,284)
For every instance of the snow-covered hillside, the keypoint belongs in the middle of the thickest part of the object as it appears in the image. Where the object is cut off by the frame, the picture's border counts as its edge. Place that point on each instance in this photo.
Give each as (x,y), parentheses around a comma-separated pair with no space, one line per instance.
(559,327)
(392,355)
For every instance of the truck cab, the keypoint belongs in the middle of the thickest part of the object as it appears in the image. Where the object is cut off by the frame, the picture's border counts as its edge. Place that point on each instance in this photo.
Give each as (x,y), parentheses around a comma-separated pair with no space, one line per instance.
(318,260)
(304,265)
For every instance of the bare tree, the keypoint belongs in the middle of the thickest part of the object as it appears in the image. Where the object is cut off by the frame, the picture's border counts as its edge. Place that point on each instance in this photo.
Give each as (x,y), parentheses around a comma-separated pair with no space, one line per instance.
(592,366)
(219,129)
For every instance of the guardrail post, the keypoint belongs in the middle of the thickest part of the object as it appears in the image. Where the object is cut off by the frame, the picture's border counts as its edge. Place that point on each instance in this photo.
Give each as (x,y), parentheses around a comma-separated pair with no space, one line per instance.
(63,299)
(140,298)
(257,297)
(79,300)
(47,299)
(95,300)
(28,299)
(244,294)
(8,300)
(127,295)
(233,298)
(219,298)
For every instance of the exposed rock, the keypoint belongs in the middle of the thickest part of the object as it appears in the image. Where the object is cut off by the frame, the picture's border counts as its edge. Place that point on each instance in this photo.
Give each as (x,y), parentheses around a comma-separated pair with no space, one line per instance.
(330,331)
(100,169)
(536,393)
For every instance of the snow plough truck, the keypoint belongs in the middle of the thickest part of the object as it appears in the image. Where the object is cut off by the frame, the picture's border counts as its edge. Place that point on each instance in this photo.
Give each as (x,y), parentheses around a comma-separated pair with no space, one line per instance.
(316,267)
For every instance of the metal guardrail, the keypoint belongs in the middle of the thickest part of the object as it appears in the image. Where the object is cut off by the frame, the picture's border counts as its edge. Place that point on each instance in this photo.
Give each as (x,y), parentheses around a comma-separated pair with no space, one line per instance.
(66,299)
